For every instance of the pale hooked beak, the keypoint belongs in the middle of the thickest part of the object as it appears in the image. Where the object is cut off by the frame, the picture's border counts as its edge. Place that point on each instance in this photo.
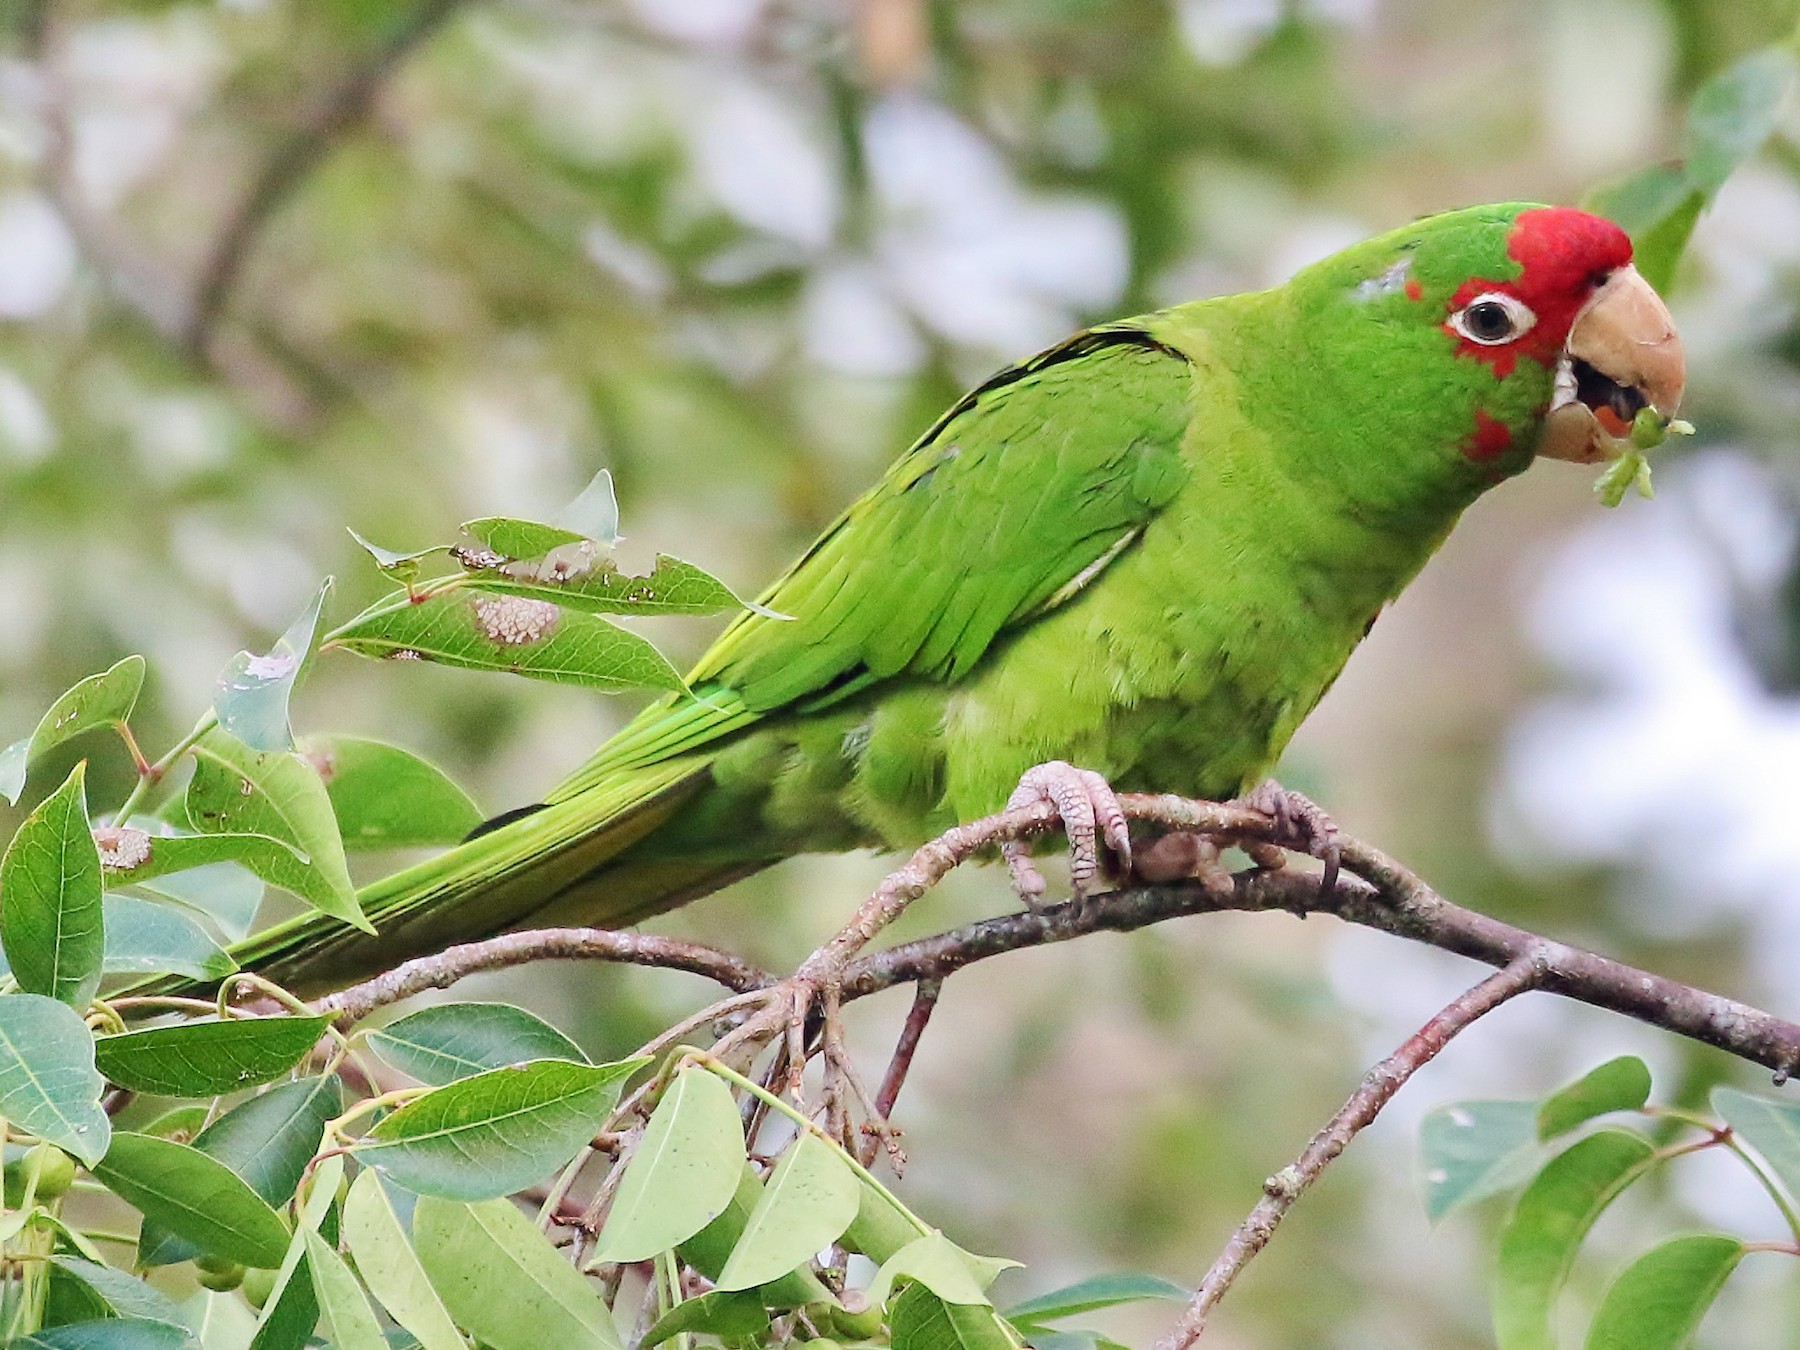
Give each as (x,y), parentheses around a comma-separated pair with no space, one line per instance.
(1622,355)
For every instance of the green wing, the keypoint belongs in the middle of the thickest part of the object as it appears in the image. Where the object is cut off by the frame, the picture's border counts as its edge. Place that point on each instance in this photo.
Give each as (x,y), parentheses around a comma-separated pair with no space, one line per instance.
(1016,499)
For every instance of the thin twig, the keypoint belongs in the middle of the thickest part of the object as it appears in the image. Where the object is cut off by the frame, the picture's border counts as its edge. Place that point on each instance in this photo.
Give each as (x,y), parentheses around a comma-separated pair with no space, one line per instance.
(542,944)
(345,105)
(925,997)
(1376,1090)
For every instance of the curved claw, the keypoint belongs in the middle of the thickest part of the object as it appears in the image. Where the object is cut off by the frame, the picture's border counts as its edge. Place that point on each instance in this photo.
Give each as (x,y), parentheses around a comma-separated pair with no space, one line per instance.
(1303,824)
(1090,813)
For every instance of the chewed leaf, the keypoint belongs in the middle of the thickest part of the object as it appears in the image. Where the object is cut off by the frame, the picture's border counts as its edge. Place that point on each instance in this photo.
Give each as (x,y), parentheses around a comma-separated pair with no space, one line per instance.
(580,579)
(251,700)
(100,700)
(514,633)
(594,514)
(503,539)
(401,566)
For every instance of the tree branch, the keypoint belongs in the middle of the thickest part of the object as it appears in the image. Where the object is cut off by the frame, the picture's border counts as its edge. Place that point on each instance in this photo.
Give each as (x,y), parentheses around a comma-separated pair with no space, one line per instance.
(1376,1090)
(542,944)
(344,106)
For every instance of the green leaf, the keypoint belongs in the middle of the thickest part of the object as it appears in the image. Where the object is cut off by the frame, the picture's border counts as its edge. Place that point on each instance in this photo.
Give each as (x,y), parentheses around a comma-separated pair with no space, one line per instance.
(195,1196)
(807,1204)
(237,790)
(709,1249)
(1734,113)
(1471,1150)
(1102,1291)
(124,1295)
(208,1057)
(594,514)
(1731,117)
(48,1085)
(1621,1084)
(101,700)
(493,1133)
(448,1041)
(935,1262)
(385,1259)
(595,585)
(881,1227)
(1656,1302)
(144,937)
(402,567)
(504,1283)
(386,797)
(684,1173)
(728,1315)
(164,854)
(514,633)
(111,1333)
(267,1140)
(251,700)
(51,923)
(920,1320)
(223,893)
(1772,1128)
(349,1321)
(291,1310)
(1539,1242)
(510,539)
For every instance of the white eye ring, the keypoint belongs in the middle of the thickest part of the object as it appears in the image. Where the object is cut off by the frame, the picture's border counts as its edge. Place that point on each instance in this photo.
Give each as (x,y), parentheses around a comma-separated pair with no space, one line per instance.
(1493,319)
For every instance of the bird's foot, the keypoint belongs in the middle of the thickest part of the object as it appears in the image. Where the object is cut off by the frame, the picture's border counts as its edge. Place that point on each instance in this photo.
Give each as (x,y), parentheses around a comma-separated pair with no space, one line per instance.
(1090,813)
(1299,824)
(1182,855)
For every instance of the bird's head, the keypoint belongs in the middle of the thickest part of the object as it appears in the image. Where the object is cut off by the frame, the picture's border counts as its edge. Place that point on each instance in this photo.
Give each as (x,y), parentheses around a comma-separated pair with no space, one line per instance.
(1510,331)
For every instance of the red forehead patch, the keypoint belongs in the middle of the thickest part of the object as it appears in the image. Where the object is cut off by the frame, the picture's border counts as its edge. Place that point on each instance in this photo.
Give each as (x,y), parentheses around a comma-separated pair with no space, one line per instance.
(1563,253)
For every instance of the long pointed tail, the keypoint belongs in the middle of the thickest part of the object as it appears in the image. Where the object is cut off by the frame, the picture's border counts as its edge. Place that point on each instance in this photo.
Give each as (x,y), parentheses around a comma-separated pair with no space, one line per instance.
(500,879)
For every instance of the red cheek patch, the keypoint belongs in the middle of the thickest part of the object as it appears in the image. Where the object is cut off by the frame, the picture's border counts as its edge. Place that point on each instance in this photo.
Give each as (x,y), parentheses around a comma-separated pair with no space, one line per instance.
(1492,439)
(1414,291)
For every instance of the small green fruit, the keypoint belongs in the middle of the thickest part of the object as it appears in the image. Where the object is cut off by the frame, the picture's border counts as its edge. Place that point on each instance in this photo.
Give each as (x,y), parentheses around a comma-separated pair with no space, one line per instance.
(258,1285)
(218,1273)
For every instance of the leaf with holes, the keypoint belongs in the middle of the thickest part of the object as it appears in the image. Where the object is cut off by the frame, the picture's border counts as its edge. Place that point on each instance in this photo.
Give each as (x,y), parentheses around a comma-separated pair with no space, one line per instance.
(493,1133)
(251,699)
(595,585)
(52,923)
(101,700)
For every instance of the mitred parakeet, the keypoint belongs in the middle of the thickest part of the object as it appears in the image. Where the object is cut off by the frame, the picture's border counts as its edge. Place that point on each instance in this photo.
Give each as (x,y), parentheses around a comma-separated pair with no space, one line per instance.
(1146,551)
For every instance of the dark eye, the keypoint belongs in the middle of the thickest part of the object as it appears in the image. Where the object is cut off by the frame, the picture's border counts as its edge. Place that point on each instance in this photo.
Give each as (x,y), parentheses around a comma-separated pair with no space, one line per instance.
(1493,318)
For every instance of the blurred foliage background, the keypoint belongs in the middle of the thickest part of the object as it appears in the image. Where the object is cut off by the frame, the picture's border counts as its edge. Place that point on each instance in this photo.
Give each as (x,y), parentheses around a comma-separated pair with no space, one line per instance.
(269,268)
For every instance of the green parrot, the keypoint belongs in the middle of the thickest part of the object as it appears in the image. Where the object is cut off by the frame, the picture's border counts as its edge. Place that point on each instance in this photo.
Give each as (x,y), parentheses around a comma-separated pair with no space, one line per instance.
(1146,551)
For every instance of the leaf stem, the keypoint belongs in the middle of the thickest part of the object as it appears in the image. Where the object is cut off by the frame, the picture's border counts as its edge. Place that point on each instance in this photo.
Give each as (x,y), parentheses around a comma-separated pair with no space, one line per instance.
(150,775)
